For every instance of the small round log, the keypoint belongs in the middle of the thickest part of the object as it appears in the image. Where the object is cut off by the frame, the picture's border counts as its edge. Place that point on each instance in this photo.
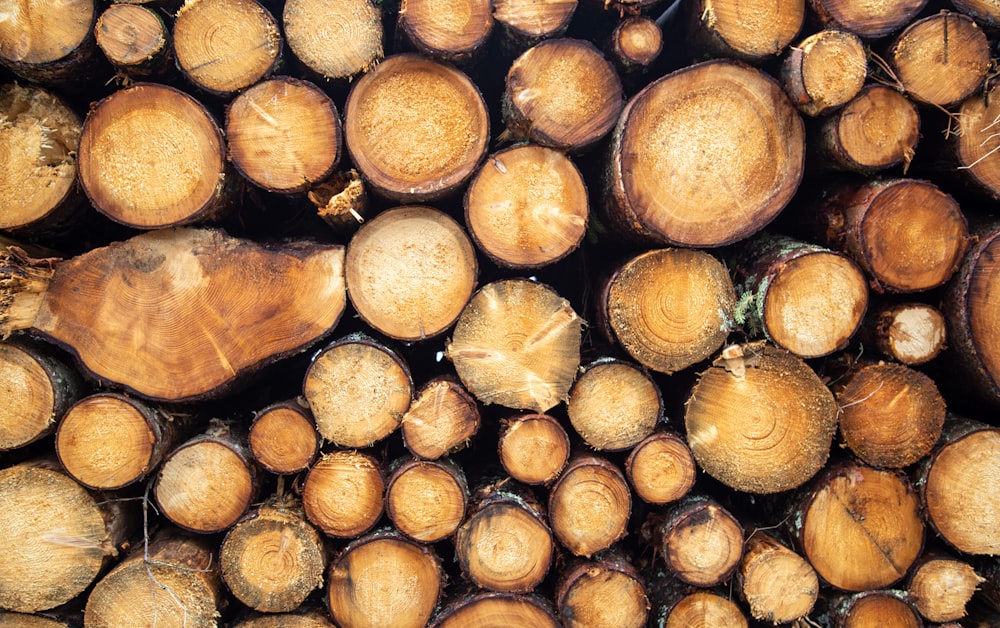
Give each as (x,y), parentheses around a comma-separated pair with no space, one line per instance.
(606,592)
(337,39)
(635,44)
(613,405)
(590,505)
(699,540)
(533,448)
(778,585)
(425,499)
(455,31)
(283,438)
(940,587)
(136,41)
(824,71)
(661,468)
(911,333)
(442,419)
(343,494)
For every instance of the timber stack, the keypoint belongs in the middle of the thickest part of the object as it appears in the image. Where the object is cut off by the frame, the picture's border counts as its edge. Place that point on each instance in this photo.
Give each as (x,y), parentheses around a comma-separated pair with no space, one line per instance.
(592,313)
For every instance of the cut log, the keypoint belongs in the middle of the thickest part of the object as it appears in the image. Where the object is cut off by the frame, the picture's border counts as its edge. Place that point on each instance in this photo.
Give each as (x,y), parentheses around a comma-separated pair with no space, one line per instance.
(890,415)
(283,438)
(57,536)
(606,592)
(524,23)
(527,207)
(415,128)
(561,93)
(760,420)
(701,299)
(410,271)
(878,129)
(613,405)
(824,71)
(590,505)
(504,544)
(442,419)
(284,134)
(207,483)
(384,580)
(273,558)
(704,156)
(974,147)
(50,42)
(166,314)
(107,441)
(40,136)
(37,388)
(517,344)
(343,494)
(870,20)
(151,156)
(732,28)
(337,39)
(941,586)
(358,390)
(635,44)
(136,41)
(874,609)
(701,609)
(533,448)
(24,620)
(304,617)
(174,581)
(860,528)
(941,59)
(906,233)
(225,46)
(496,610)
(426,500)
(777,584)
(661,469)
(911,333)
(804,298)
(958,487)
(455,31)
(699,540)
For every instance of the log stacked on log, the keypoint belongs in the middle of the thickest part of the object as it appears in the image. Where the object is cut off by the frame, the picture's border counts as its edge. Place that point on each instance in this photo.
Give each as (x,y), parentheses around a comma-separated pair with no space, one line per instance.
(414,312)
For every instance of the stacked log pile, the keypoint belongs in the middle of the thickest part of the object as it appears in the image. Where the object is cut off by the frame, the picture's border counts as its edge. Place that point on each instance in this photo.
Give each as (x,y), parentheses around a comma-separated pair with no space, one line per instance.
(499,313)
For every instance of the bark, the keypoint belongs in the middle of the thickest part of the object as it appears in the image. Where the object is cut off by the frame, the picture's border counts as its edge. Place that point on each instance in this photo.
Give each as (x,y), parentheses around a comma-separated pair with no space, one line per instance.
(725,29)
(701,297)
(336,39)
(909,332)
(489,609)
(283,438)
(410,271)
(527,207)
(533,448)
(661,469)
(613,405)
(606,592)
(760,420)
(442,419)
(341,201)
(870,20)
(693,141)
(590,505)
(824,71)
(343,493)
(777,584)
(402,159)
(196,294)
(284,134)
(456,32)
(136,41)
(426,499)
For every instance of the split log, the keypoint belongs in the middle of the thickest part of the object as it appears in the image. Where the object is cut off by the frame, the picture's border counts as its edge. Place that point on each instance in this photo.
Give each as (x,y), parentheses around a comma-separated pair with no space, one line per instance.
(272,559)
(777,584)
(343,494)
(701,298)
(504,544)
(606,592)
(410,271)
(957,485)
(358,390)
(283,438)
(425,499)
(57,536)
(941,586)
(824,71)
(613,405)
(337,39)
(442,419)
(760,420)
(455,31)
(941,59)
(527,207)
(524,23)
(859,527)
(384,580)
(699,540)
(151,156)
(729,29)
(803,297)
(41,136)
(51,42)
(283,135)
(906,233)
(693,141)
(207,483)
(37,387)
(490,609)
(590,505)
(661,469)
(108,441)
(415,128)
(878,129)
(873,609)
(561,93)
(517,344)
(136,41)
(533,448)
(166,313)
(870,20)
(910,333)
(172,581)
